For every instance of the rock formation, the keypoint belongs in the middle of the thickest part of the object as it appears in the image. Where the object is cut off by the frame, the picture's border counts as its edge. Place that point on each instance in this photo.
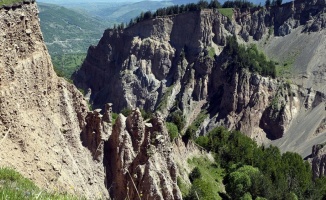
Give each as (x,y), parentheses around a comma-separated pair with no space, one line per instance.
(48,134)
(41,115)
(177,63)
(140,161)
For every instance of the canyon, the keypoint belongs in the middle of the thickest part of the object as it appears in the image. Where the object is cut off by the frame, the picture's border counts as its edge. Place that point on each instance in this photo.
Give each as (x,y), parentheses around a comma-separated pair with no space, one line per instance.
(163,65)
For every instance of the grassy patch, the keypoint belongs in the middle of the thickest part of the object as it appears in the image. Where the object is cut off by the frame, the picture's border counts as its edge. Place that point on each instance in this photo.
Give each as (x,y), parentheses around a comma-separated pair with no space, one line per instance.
(15,186)
(66,64)
(184,188)
(9,2)
(211,52)
(227,12)
(173,130)
(210,181)
(284,69)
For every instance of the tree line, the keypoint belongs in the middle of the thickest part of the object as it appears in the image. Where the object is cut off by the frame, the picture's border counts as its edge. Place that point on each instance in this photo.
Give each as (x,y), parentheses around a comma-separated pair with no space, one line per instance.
(258,172)
(248,57)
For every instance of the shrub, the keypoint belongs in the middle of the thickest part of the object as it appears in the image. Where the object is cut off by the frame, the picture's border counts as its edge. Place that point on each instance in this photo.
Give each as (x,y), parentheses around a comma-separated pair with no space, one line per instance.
(173,130)
(195,174)
(178,119)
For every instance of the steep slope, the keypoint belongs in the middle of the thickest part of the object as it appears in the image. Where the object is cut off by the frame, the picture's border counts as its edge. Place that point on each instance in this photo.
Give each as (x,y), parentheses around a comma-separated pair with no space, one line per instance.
(41,115)
(168,64)
(48,134)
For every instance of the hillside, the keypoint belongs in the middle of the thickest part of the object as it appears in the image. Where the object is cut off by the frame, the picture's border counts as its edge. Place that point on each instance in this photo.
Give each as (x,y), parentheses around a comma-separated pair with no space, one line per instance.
(197,78)
(178,64)
(67,31)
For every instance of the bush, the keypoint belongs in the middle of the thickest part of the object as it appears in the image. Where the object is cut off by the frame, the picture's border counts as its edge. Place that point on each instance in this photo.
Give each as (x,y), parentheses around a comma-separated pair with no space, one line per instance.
(195,174)
(178,119)
(173,130)
(126,111)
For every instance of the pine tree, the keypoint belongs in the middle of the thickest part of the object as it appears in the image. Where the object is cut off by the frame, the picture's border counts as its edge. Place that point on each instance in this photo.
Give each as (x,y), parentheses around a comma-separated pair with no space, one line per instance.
(268,3)
(278,2)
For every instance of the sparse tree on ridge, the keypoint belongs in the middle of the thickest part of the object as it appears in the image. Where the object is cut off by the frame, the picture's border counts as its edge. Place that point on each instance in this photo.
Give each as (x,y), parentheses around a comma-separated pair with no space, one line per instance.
(278,2)
(268,3)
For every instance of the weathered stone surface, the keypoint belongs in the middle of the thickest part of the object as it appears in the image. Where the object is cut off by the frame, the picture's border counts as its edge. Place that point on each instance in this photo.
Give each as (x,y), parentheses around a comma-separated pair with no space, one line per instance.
(139,160)
(167,64)
(41,115)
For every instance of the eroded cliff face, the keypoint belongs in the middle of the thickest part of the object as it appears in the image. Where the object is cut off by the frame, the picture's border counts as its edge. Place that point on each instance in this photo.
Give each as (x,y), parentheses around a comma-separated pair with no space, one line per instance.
(177,63)
(48,134)
(140,160)
(41,115)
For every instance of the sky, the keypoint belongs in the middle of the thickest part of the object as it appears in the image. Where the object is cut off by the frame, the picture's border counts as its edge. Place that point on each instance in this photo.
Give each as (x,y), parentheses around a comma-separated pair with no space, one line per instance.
(119,1)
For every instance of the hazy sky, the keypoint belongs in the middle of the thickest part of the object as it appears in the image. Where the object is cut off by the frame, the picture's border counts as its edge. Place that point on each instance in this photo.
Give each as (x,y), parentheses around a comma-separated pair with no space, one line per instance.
(119,1)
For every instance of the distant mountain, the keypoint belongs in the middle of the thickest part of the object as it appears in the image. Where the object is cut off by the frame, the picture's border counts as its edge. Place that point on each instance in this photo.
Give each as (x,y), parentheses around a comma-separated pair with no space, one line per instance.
(67,31)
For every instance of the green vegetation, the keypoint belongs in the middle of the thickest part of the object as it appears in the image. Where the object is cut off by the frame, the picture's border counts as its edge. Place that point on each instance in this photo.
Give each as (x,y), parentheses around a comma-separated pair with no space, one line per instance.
(206,178)
(15,186)
(227,12)
(114,117)
(238,4)
(260,172)
(173,10)
(192,129)
(9,2)
(178,119)
(182,186)
(66,64)
(284,69)
(67,31)
(249,58)
(173,130)
(211,52)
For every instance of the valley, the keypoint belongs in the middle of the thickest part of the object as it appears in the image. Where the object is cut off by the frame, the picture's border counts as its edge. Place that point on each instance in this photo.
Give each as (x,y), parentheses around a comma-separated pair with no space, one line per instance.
(185,102)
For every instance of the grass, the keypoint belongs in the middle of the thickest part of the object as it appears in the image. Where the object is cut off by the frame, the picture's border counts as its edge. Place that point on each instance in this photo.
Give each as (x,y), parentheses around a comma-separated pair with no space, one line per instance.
(66,64)
(9,2)
(227,12)
(211,175)
(284,69)
(211,52)
(14,186)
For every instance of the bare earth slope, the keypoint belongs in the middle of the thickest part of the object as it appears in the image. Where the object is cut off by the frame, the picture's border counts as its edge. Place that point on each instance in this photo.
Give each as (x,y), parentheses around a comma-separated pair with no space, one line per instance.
(41,115)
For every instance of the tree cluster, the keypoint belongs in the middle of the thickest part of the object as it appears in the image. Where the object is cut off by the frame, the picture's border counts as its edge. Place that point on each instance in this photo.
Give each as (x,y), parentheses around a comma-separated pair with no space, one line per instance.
(248,57)
(176,9)
(238,4)
(269,3)
(260,172)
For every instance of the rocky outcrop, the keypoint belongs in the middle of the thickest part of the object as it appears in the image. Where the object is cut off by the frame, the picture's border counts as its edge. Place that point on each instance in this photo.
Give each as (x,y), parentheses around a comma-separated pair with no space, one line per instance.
(48,134)
(318,160)
(177,63)
(139,160)
(41,115)
(281,20)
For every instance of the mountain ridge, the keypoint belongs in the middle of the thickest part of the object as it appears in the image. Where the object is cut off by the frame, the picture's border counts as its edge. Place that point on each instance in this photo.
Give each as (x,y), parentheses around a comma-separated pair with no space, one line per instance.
(144,68)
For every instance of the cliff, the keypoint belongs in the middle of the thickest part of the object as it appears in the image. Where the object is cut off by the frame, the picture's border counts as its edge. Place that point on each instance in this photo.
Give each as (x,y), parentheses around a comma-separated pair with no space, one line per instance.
(177,62)
(41,115)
